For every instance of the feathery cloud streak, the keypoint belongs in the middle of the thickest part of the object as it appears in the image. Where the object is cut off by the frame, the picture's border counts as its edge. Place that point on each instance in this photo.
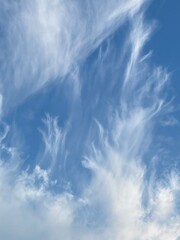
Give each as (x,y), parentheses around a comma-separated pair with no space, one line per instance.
(44,42)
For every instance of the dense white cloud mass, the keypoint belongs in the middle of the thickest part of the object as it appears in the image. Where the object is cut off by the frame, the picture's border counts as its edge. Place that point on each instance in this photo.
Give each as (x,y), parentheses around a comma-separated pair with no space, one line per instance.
(45,40)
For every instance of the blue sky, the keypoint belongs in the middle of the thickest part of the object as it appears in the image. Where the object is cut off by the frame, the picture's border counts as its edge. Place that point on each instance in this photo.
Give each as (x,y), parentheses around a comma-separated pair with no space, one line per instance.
(89,120)
(166,53)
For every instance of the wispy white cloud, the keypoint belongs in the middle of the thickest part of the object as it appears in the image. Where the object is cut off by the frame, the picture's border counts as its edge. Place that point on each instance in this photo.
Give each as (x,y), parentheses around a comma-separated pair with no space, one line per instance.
(170,121)
(46,40)
(119,201)
(53,139)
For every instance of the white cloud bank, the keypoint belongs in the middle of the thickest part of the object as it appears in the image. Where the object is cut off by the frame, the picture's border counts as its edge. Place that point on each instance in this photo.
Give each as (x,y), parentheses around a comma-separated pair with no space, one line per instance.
(44,40)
